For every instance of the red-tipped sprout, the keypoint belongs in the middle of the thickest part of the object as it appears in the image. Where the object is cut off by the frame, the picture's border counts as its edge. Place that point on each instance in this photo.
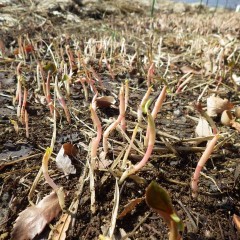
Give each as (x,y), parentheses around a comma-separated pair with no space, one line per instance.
(157,107)
(48,95)
(151,142)
(142,104)
(62,101)
(23,108)
(115,123)
(126,94)
(150,74)
(19,90)
(97,124)
(205,156)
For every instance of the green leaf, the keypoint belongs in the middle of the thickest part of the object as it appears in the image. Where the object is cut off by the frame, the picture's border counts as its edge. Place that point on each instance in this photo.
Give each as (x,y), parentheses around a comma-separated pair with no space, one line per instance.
(158,198)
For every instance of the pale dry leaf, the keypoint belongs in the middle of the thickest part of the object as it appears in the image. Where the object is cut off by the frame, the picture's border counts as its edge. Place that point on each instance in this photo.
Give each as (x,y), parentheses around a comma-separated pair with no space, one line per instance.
(236,125)
(105,101)
(64,162)
(33,220)
(236,79)
(203,129)
(188,69)
(216,105)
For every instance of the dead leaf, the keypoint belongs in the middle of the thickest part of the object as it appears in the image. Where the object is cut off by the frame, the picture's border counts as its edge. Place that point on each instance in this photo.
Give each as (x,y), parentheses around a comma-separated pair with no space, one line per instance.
(236,79)
(63,161)
(216,105)
(203,129)
(129,207)
(70,149)
(236,125)
(33,220)
(105,101)
(188,69)
(236,220)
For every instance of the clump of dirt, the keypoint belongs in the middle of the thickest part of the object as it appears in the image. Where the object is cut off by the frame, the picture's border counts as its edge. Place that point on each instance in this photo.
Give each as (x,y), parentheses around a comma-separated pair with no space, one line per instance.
(90,47)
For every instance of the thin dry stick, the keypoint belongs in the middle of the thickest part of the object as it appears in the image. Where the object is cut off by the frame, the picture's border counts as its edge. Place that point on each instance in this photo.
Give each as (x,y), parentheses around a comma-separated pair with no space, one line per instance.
(129,147)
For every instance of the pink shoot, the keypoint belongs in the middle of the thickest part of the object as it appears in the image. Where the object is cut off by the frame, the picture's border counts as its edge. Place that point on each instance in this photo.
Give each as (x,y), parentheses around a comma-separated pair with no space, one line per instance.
(62,102)
(109,69)
(157,107)
(26,124)
(150,74)
(70,57)
(94,148)
(151,142)
(142,104)
(97,124)
(25,93)
(205,156)
(48,95)
(126,94)
(115,123)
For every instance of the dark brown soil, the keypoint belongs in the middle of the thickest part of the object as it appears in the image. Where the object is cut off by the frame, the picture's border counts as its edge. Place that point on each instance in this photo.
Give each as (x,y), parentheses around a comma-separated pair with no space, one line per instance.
(130,40)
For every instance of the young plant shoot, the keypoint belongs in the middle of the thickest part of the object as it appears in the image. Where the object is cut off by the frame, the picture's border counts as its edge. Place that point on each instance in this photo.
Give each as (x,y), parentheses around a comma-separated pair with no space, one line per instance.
(205,156)
(115,123)
(151,142)
(159,200)
(57,189)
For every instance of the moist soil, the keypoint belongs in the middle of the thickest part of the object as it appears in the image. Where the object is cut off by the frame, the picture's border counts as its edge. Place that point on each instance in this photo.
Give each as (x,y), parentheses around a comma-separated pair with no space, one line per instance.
(111,42)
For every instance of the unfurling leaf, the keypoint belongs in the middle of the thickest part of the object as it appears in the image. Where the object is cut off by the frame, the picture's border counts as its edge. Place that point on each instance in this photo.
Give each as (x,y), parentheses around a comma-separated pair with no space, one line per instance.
(129,207)
(33,220)
(158,198)
(63,161)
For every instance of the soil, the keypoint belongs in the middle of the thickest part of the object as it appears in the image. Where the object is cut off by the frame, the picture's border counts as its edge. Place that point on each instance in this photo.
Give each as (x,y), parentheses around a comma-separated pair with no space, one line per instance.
(111,42)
